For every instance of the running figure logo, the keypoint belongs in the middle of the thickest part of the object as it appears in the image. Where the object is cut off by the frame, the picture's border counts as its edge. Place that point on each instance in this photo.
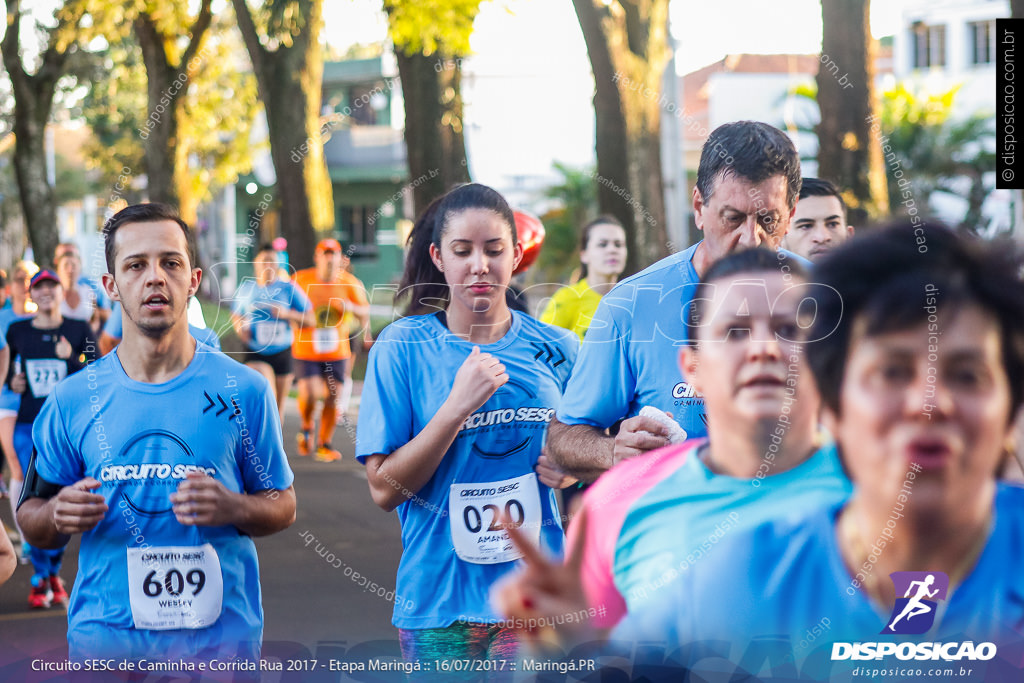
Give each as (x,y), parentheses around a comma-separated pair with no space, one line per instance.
(914,613)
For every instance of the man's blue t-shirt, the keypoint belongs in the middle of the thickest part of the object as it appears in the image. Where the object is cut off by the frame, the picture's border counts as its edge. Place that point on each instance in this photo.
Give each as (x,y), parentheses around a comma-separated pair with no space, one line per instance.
(452,551)
(139,441)
(630,356)
(269,335)
(115,328)
(781,595)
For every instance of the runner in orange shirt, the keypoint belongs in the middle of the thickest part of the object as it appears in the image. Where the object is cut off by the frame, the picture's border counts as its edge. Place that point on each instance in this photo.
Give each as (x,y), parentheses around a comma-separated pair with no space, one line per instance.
(360,337)
(322,352)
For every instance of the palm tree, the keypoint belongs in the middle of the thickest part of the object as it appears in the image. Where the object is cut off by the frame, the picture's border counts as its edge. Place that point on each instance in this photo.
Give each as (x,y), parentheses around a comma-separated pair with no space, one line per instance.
(577,194)
(937,153)
(928,153)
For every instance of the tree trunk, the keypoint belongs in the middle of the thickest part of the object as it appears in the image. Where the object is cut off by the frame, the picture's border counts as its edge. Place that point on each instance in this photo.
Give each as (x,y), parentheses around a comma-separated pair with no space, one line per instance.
(627,43)
(435,146)
(33,100)
(453,164)
(290,85)
(160,131)
(34,189)
(848,153)
(166,160)
(974,219)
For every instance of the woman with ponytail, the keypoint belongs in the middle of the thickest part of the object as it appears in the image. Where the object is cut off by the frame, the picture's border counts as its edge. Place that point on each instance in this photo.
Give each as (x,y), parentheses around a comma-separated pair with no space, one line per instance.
(451,428)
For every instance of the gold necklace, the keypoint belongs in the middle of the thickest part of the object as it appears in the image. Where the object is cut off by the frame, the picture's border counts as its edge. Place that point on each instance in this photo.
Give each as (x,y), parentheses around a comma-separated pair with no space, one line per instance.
(850,536)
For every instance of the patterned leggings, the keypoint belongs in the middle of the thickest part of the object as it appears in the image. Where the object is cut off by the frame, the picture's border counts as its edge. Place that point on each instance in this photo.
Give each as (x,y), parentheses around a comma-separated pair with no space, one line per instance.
(460,652)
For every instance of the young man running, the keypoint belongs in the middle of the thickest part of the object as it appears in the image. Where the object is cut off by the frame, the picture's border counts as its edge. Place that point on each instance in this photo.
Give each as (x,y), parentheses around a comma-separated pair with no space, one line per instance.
(166,485)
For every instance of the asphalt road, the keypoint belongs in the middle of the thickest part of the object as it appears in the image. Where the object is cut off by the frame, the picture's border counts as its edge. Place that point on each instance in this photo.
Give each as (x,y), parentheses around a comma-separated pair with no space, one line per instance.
(317,604)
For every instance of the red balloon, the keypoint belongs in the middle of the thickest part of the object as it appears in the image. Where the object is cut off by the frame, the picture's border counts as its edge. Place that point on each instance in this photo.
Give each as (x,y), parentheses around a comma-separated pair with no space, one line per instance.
(530,233)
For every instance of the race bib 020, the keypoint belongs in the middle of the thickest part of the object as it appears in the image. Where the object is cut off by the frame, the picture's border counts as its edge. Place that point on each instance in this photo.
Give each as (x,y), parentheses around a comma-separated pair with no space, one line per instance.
(474,517)
(175,587)
(44,374)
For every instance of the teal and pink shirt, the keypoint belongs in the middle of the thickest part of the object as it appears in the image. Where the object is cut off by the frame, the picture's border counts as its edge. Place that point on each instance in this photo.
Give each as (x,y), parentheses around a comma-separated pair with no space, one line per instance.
(651,518)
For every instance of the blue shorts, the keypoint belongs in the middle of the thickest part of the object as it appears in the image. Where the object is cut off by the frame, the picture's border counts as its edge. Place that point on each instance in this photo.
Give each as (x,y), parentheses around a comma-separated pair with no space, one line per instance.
(325,369)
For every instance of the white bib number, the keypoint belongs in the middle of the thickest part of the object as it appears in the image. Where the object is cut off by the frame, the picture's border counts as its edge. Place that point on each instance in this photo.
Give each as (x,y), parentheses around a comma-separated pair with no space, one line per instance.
(272,333)
(326,339)
(473,515)
(43,374)
(175,587)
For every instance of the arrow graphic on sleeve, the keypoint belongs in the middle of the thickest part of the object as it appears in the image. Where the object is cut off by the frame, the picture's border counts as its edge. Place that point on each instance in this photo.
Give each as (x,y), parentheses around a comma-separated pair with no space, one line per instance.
(223,406)
(551,354)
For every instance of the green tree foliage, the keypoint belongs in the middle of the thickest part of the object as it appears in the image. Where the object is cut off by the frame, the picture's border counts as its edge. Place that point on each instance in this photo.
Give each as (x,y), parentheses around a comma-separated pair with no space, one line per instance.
(577,196)
(432,26)
(217,113)
(221,109)
(172,50)
(72,181)
(934,152)
(114,107)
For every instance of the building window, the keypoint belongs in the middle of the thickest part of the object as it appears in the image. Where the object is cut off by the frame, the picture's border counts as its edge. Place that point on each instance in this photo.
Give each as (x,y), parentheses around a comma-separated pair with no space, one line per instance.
(359,227)
(929,45)
(361,99)
(983,42)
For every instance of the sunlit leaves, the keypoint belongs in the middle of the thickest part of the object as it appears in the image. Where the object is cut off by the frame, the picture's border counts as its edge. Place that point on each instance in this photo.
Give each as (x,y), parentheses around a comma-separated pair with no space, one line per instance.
(429,26)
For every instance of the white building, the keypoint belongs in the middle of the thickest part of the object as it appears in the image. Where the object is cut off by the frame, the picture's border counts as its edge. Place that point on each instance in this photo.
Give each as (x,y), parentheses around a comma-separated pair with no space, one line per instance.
(945,43)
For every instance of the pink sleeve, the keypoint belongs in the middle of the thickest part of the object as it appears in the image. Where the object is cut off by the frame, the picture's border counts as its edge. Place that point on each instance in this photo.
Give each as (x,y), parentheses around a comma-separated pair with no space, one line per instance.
(596,568)
(606,504)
